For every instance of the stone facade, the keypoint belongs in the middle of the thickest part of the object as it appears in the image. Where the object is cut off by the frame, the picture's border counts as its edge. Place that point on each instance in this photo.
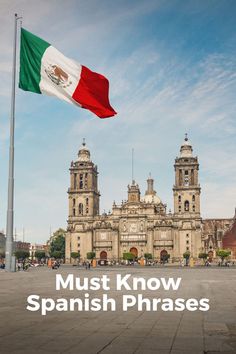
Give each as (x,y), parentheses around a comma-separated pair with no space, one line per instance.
(213,233)
(229,239)
(141,224)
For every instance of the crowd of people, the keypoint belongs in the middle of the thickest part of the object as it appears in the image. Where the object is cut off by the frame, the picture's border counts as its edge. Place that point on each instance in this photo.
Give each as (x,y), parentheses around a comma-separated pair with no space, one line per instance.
(25,264)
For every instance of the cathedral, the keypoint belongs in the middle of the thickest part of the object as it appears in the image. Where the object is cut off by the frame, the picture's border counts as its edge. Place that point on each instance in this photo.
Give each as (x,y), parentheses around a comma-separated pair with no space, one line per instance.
(141,224)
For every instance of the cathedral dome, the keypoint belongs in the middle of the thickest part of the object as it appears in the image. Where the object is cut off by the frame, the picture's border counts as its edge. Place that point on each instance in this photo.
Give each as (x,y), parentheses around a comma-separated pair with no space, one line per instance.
(84,153)
(148,198)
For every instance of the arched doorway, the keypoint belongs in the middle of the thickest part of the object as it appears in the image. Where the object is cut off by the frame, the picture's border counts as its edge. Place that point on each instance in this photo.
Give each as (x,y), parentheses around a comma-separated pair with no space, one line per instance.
(210,256)
(164,256)
(103,255)
(134,251)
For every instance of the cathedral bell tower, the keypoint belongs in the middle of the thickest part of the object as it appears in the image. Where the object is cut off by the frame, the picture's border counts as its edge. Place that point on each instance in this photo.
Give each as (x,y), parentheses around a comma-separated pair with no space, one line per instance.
(186,188)
(133,193)
(83,191)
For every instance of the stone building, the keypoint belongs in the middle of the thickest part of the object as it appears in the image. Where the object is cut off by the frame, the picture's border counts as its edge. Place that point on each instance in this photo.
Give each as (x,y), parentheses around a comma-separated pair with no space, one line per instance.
(35,247)
(229,239)
(20,246)
(141,224)
(2,244)
(213,233)
(17,245)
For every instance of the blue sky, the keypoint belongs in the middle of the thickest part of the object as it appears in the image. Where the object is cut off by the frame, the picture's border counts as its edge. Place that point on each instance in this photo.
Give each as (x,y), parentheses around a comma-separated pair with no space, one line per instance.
(172,69)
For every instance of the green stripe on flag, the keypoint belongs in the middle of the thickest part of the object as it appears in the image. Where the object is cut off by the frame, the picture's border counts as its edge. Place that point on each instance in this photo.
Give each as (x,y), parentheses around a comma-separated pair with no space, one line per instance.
(32,49)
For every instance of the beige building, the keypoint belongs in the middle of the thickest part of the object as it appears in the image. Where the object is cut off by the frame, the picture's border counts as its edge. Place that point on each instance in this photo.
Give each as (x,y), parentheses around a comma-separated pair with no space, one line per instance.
(34,247)
(141,224)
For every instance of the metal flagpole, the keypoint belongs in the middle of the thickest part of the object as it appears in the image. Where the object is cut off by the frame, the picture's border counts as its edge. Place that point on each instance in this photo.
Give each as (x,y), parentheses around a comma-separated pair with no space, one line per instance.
(132,165)
(10,206)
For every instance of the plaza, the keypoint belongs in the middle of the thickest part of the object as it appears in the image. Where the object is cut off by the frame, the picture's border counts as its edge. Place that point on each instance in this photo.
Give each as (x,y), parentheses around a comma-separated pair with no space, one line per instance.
(130,332)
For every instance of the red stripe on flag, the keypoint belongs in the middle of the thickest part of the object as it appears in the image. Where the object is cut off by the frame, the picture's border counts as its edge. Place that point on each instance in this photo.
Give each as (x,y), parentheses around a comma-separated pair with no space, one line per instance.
(92,93)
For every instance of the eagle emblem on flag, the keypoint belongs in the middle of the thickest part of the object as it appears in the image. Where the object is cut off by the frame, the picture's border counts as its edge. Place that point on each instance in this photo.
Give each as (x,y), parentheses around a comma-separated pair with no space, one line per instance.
(58,76)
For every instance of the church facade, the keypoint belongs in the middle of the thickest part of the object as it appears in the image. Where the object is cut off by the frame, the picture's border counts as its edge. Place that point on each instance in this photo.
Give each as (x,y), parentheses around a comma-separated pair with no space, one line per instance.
(141,224)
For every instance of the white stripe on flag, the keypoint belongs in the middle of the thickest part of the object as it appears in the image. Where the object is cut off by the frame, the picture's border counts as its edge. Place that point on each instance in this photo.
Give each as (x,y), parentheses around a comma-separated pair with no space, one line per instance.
(59,75)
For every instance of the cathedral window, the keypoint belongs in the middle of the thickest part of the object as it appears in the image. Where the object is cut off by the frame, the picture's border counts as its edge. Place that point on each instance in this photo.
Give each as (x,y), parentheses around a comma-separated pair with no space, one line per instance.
(73,202)
(187,242)
(186,205)
(193,198)
(80,209)
(73,211)
(186,178)
(86,180)
(81,184)
(187,248)
(179,198)
(87,203)
(179,208)
(193,208)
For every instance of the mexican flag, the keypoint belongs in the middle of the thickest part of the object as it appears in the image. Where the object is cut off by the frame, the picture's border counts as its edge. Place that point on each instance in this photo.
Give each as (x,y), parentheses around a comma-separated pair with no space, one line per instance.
(43,69)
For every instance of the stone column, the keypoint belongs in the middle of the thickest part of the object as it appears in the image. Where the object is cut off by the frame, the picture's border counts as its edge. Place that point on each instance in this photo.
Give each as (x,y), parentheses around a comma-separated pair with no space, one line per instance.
(68,248)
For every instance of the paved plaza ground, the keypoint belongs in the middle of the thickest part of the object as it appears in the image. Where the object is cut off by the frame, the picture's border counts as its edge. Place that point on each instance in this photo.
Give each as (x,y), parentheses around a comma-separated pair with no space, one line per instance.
(129,332)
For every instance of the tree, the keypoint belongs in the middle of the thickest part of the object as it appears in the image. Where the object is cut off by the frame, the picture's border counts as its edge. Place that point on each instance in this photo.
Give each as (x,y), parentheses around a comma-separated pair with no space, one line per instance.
(203,255)
(2,254)
(39,254)
(186,255)
(223,254)
(57,245)
(57,254)
(59,232)
(147,255)
(75,255)
(21,254)
(91,255)
(128,256)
